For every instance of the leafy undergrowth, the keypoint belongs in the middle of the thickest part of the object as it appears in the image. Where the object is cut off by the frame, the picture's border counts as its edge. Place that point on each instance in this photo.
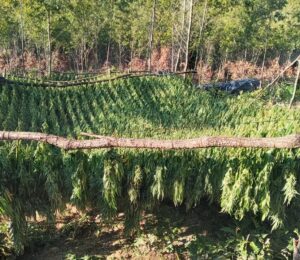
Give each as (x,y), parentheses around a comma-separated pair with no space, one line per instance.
(168,233)
(283,92)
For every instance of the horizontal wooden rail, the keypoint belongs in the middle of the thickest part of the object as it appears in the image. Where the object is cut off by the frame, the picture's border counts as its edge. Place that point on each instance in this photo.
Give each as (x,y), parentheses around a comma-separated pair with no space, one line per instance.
(291,141)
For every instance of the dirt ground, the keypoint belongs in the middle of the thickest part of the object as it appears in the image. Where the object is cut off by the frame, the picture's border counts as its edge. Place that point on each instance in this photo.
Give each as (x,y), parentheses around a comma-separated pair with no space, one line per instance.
(165,235)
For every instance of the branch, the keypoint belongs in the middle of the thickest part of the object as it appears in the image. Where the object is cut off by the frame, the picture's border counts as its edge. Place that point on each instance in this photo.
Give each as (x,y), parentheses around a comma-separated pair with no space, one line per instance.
(292,141)
(281,73)
(295,85)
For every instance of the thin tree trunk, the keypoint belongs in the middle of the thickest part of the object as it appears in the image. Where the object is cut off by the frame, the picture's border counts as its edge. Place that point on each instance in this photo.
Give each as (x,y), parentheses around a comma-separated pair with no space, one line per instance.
(245,59)
(187,46)
(172,50)
(201,31)
(200,67)
(22,36)
(39,59)
(292,141)
(223,66)
(252,56)
(96,54)
(181,36)
(110,29)
(86,57)
(131,55)
(151,36)
(81,58)
(245,54)
(49,43)
(108,52)
(296,84)
(263,65)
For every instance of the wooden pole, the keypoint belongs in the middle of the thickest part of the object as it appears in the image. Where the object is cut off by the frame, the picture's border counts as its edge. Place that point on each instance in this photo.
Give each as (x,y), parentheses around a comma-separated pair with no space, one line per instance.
(296,84)
(291,141)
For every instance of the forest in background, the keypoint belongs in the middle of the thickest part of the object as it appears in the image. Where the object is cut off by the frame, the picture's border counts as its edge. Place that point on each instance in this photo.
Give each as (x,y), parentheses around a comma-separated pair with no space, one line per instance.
(246,36)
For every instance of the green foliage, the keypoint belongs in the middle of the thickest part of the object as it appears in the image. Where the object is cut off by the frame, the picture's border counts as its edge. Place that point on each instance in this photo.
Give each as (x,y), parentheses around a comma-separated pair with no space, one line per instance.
(245,239)
(89,32)
(233,245)
(112,180)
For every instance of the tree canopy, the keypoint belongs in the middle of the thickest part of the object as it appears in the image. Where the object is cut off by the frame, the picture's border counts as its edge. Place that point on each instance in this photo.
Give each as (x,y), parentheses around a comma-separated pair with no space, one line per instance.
(91,33)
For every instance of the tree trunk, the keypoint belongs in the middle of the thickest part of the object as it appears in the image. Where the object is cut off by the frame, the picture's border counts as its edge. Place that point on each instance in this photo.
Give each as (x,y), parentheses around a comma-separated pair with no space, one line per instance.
(96,65)
(292,141)
(108,52)
(49,43)
(22,36)
(38,51)
(200,33)
(151,36)
(120,54)
(296,84)
(180,36)
(263,64)
(109,35)
(187,45)
(172,50)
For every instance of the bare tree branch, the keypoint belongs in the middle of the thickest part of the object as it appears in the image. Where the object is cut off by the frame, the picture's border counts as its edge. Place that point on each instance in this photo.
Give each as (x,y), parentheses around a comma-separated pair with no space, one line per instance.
(292,141)
(282,72)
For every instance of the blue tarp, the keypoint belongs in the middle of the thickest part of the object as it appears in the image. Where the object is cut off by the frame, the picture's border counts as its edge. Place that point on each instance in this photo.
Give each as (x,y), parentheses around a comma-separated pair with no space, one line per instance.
(234,86)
